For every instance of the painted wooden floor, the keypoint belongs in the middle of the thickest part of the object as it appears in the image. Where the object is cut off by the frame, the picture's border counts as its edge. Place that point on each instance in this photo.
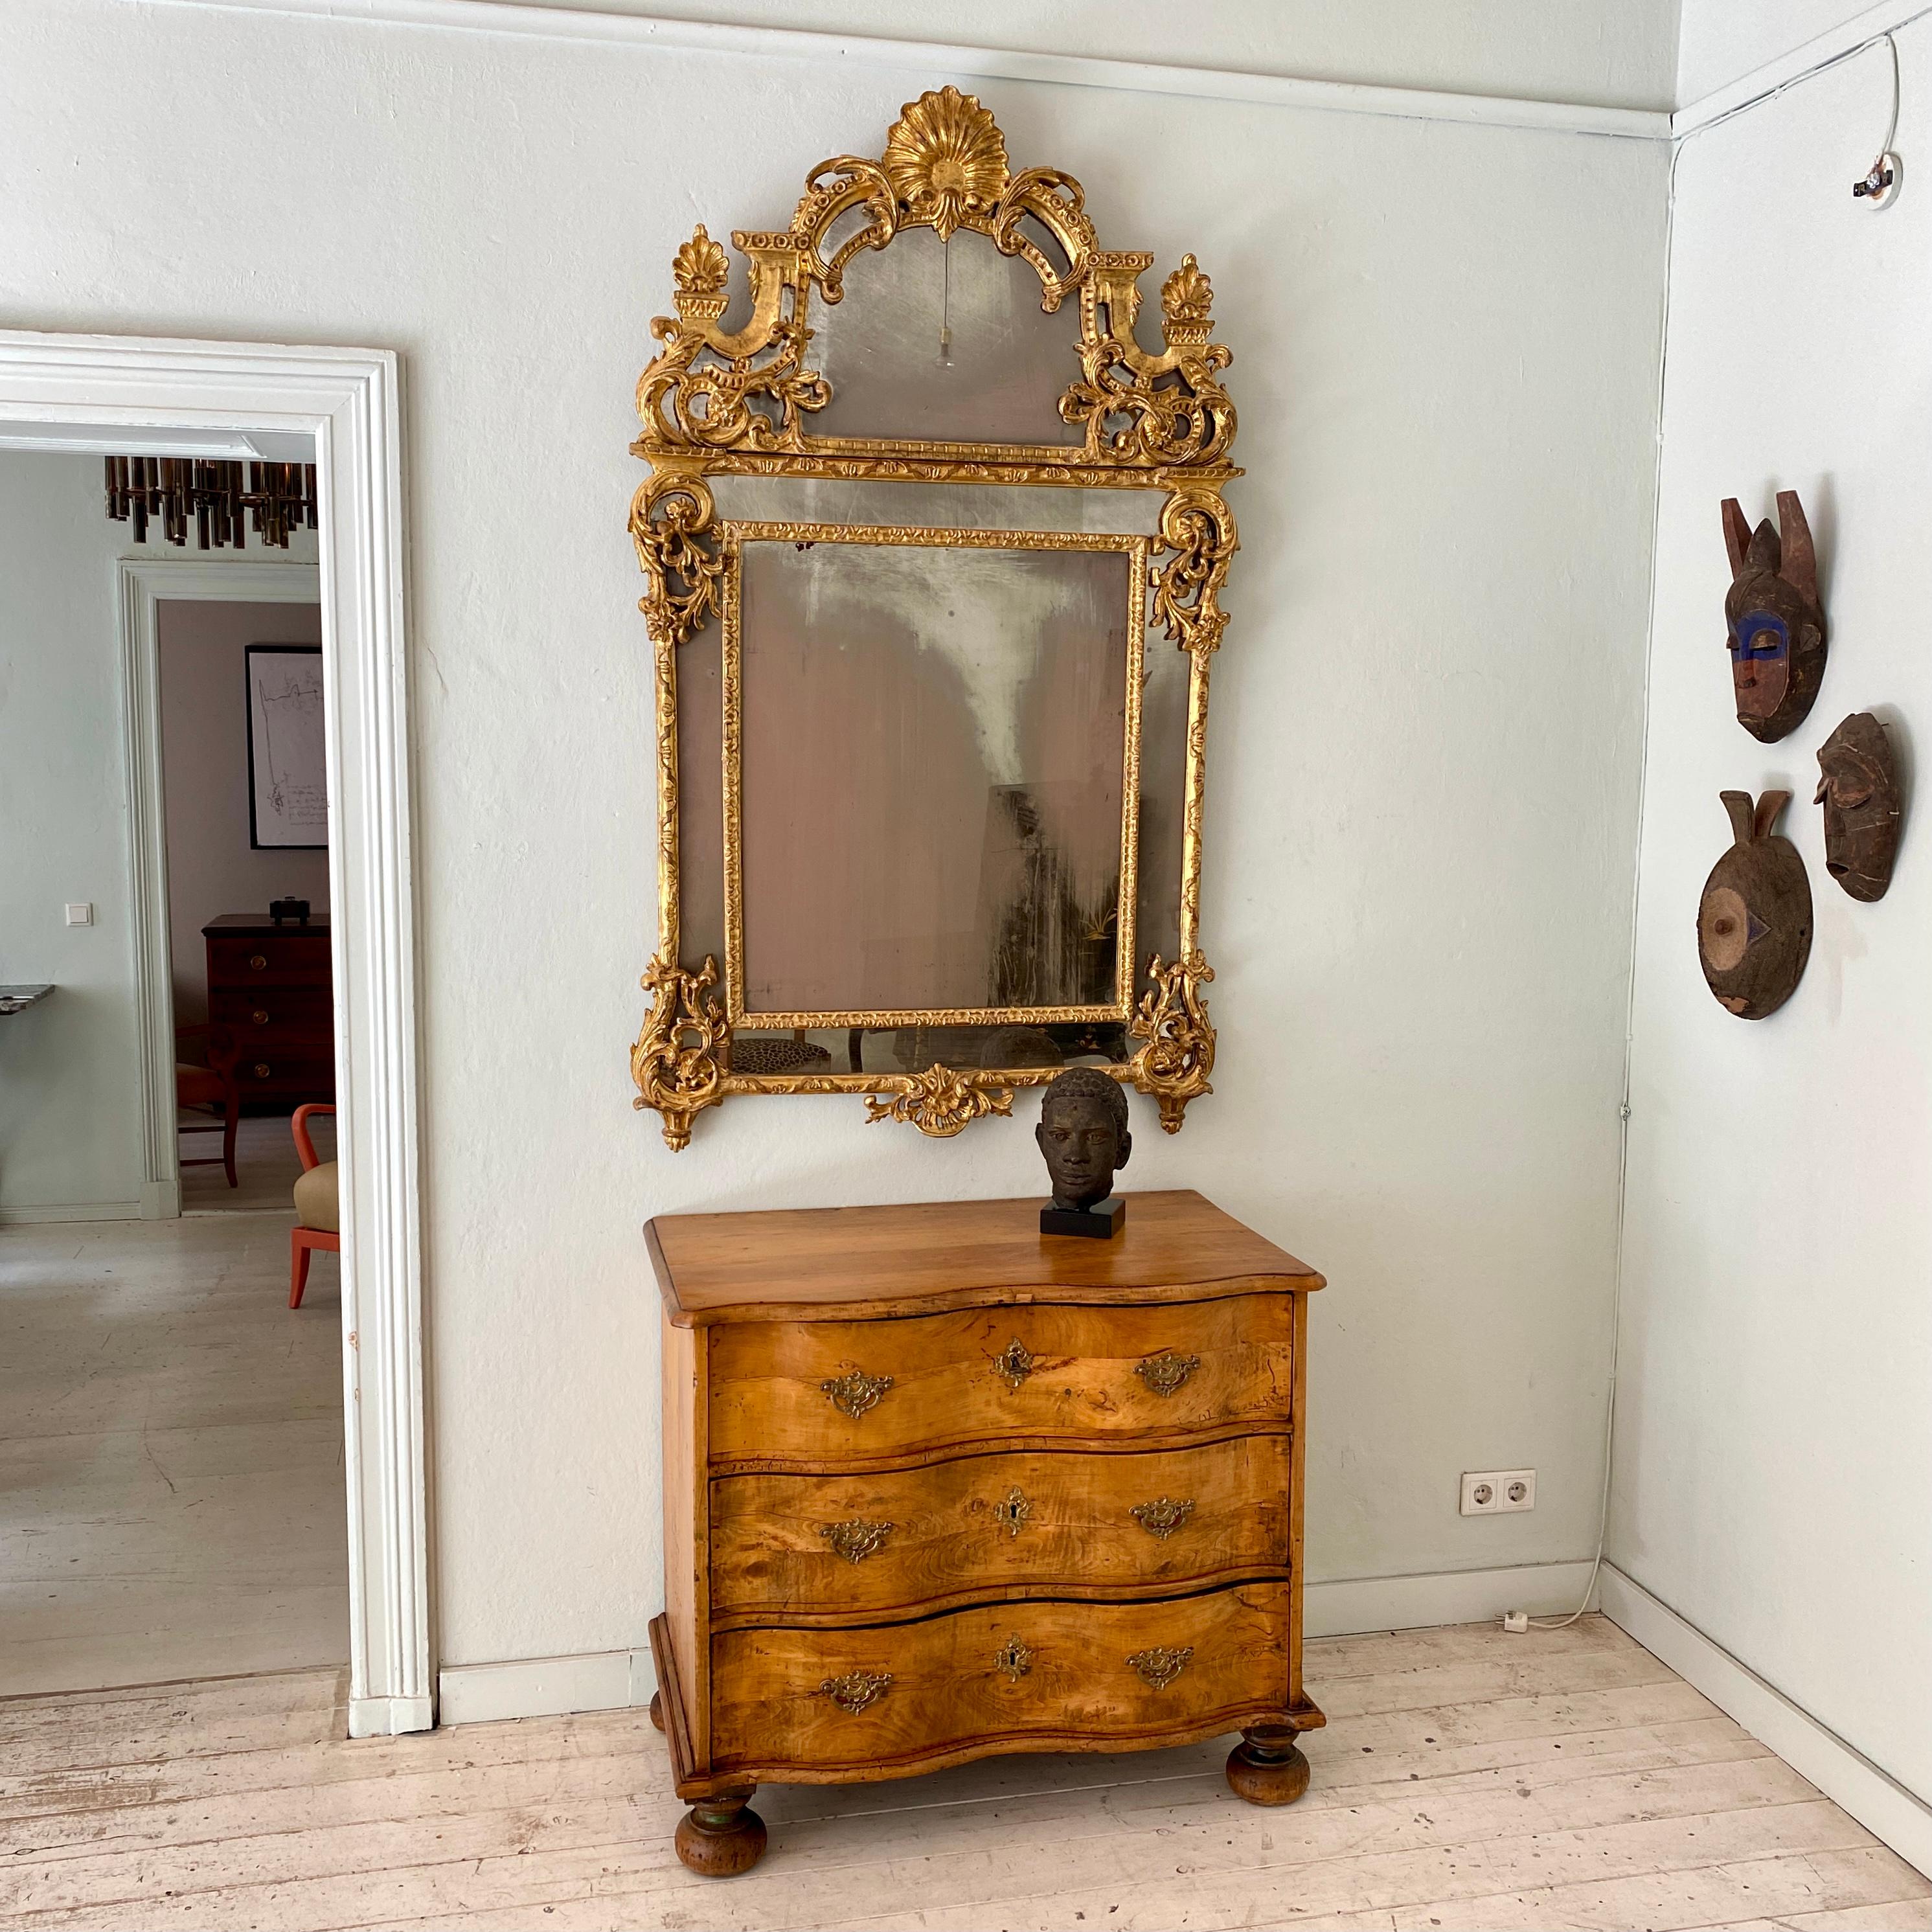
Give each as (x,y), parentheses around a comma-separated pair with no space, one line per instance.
(1468,1779)
(171,1498)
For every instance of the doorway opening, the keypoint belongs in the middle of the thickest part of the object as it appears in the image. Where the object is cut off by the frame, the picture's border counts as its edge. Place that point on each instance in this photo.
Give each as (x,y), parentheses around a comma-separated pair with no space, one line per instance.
(324,1432)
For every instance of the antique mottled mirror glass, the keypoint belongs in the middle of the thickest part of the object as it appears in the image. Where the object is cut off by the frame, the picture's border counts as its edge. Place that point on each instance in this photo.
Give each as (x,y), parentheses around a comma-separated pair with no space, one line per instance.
(932,550)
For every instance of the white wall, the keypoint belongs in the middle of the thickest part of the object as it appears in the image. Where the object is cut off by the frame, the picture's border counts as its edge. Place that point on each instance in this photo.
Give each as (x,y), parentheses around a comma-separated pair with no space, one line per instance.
(71,1130)
(212,869)
(1618,53)
(1720,42)
(1774,1435)
(1424,750)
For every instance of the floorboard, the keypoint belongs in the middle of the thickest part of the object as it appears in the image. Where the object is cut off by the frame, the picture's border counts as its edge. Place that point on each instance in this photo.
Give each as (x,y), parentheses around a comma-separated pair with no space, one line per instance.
(1468,1779)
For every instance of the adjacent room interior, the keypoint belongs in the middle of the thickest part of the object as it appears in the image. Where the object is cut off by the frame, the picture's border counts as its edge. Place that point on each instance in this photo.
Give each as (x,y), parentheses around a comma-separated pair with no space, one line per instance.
(175,1503)
(1116,914)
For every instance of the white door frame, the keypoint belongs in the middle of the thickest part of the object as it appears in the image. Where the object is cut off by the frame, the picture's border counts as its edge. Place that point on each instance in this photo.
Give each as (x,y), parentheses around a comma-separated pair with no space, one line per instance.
(142,585)
(347,399)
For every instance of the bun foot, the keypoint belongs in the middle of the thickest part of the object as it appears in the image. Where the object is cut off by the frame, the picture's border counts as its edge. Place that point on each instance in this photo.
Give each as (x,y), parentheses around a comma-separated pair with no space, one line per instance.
(719,1837)
(657,1708)
(1268,1767)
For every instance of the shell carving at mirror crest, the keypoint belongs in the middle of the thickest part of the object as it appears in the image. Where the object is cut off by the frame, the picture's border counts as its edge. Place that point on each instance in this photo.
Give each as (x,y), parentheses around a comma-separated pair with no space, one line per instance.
(719,401)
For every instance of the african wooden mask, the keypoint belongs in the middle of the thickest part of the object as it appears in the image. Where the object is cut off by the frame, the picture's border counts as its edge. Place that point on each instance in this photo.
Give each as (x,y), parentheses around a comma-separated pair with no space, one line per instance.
(1754,920)
(1776,626)
(1858,789)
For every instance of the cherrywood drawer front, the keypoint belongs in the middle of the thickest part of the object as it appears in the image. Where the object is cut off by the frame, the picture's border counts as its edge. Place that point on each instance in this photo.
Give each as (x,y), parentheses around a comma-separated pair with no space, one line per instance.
(820,1392)
(284,962)
(263,1074)
(273,1011)
(1047,1675)
(789,1546)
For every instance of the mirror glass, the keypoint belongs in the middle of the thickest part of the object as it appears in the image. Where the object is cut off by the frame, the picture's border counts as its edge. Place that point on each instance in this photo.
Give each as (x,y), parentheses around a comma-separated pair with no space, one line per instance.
(945,341)
(932,756)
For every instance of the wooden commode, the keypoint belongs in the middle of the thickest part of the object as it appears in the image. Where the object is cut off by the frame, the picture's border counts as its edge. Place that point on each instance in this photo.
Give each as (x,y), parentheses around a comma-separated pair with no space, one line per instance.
(938,1486)
(270,986)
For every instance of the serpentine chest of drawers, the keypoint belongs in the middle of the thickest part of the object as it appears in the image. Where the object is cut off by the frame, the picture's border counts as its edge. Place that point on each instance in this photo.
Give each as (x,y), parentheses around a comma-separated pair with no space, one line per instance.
(938,1486)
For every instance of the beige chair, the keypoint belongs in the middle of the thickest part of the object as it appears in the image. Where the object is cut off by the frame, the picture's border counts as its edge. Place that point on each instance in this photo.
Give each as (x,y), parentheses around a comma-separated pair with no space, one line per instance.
(318,1206)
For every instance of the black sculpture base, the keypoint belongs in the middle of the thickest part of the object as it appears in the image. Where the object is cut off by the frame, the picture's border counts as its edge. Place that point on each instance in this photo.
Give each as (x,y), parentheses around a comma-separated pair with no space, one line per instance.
(1101,1222)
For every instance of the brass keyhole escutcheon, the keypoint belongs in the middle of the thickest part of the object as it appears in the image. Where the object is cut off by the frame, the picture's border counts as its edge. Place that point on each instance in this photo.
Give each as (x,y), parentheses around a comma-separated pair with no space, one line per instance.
(1014,1362)
(1011,1512)
(1014,1658)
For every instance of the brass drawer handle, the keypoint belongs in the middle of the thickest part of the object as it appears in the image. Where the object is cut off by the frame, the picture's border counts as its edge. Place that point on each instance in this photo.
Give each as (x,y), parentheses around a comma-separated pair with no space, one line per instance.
(856,1689)
(857,1540)
(261,1070)
(1014,1362)
(1159,1667)
(1162,1518)
(854,1394)
(1014,1658)
(1011,1512)
(1164,1374)
(260,1016)
(259,962)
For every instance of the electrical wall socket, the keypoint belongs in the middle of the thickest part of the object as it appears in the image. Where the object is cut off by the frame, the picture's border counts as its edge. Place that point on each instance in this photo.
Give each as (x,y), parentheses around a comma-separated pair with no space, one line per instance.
(1496,1492)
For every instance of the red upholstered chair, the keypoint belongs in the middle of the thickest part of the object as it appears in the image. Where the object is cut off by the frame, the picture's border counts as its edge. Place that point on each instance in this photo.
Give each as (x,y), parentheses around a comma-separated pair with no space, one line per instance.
(318,1206)
(214,1086)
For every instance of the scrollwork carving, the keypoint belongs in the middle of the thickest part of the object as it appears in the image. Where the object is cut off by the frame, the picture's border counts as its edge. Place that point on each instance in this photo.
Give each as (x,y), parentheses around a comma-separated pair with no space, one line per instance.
(940,1102)
(670,516)
(678,1062)
(1199,529)
(1178,1056)
(945,167)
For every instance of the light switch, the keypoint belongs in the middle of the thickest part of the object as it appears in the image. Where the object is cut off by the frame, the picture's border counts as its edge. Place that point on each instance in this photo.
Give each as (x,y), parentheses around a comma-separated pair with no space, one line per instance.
(80,915)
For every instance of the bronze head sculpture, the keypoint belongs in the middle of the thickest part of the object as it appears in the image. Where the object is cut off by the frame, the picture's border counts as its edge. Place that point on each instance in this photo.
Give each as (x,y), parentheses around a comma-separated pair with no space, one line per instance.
(1754,920)
(1775,625)
(1859,788)
(1083,1136)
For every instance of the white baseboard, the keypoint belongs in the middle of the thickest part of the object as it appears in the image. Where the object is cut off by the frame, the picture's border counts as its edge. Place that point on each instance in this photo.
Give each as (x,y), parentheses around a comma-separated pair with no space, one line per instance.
(545,1687)
(1843,1773)
(389,1716)
(1353,1605)
(75,1211)
(160,1200)
(615,1680)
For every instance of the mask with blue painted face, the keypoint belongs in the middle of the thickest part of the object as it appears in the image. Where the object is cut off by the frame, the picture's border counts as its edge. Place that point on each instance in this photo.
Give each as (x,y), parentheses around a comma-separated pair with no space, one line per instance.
(1775,626)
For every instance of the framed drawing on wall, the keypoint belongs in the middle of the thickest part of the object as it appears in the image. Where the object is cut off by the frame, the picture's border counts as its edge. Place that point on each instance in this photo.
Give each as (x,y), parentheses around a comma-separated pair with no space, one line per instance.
(288,786)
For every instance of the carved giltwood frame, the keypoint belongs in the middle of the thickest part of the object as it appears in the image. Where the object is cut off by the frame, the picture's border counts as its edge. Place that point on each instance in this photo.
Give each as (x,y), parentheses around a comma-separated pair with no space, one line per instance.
(717,403)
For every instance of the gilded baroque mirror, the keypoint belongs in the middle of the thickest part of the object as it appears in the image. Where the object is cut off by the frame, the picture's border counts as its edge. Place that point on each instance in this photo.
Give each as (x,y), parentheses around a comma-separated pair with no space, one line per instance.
(932,549)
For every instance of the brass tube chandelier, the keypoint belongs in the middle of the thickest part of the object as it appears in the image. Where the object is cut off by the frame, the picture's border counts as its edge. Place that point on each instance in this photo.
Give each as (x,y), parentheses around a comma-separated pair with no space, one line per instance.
(274,498)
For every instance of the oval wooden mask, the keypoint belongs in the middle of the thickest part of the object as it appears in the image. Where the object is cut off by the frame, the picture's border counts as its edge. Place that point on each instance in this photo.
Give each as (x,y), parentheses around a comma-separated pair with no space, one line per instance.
(1754,919)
